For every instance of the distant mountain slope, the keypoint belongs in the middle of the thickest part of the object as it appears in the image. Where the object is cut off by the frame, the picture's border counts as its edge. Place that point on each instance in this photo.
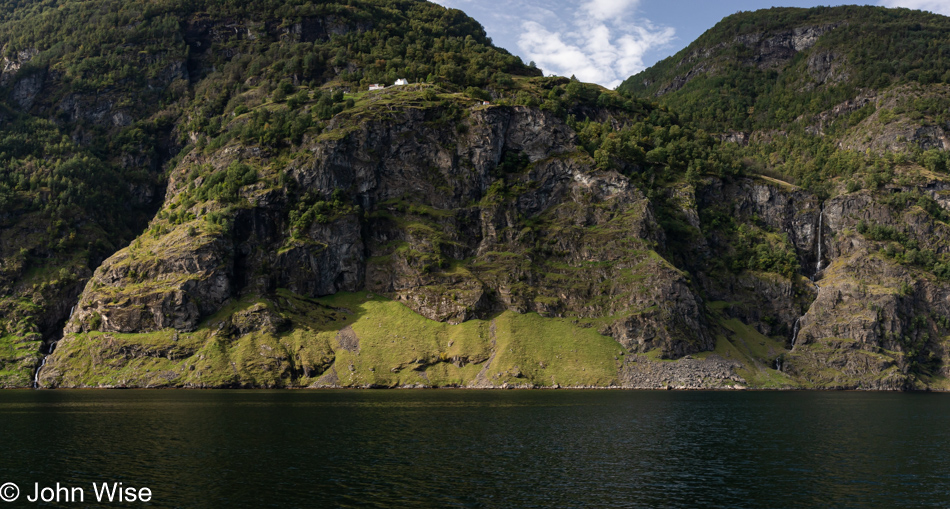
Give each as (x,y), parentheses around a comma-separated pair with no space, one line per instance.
(763,69)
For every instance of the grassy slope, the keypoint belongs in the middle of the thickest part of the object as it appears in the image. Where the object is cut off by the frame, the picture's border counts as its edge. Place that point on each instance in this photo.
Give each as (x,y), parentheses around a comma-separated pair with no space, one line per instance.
(396,347)
(17,357)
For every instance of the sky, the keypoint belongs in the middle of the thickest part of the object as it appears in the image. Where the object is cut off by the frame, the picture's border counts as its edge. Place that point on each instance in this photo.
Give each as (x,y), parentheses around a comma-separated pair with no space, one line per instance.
(607,41)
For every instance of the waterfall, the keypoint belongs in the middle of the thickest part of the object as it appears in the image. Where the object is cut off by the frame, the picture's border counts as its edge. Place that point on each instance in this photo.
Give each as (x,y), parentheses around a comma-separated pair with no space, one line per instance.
(818,266)
(795,331)
(36,375)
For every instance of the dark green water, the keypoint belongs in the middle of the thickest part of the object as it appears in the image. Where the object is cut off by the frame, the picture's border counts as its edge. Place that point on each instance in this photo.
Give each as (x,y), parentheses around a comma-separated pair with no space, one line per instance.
(484,448)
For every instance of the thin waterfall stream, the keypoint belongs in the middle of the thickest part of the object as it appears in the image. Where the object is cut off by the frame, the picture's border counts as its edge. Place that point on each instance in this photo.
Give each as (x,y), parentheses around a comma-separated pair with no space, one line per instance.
(821,214)
(818,267)
(36,375)
(52,345)
(795,331)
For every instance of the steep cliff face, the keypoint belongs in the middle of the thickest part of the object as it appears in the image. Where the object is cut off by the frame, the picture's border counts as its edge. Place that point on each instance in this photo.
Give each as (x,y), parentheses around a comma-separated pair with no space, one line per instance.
(91,119)
(855,157)
(770,302)
(454,229)
(429,214)
(878,318)
(456,267)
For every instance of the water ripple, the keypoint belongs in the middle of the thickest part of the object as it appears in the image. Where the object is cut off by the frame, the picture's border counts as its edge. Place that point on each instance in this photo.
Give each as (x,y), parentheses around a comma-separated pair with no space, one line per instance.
(486,448)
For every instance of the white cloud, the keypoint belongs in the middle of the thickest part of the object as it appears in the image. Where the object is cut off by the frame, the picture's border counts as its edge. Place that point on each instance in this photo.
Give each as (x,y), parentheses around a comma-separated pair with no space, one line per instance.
(598,43)
(550,52)
(935,6)
(633,47)
(601,10)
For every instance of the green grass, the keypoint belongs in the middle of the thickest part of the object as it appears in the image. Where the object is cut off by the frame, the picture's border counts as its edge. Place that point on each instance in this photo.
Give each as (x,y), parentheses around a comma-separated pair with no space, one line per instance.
(400,347)
(18,359)
(396,347)
(550,351)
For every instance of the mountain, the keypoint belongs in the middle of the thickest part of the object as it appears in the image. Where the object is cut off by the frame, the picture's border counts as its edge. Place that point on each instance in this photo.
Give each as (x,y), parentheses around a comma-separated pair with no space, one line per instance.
(767,68)
(206,194)
(852,78)
(93,120)
(849,105)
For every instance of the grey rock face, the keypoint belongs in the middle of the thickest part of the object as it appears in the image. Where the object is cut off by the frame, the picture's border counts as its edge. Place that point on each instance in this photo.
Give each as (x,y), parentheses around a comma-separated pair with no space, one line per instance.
(789,210)
(141,292)
(781,47)
(931,137)
(10,66)
(825,67)
(26,89)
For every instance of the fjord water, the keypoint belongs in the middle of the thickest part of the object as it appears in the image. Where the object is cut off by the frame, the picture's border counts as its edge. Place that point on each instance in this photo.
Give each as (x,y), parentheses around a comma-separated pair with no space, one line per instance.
(454,448)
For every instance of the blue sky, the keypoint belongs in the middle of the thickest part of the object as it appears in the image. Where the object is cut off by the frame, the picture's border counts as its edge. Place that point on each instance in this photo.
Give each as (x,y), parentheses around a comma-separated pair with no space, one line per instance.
(606,41)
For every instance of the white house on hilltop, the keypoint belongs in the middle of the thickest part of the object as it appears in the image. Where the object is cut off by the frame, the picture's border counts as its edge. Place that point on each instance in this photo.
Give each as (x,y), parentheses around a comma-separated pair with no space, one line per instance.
(401,81)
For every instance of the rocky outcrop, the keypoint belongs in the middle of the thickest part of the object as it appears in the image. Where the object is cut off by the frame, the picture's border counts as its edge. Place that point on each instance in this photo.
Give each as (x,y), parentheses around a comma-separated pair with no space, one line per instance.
(782,206)
(826,67)
(173,283)
(680,81)
(888,122)
(931,137)
(26,89)
(11,65)
(320,29)
(773,50)
(873,319)
(434,220)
